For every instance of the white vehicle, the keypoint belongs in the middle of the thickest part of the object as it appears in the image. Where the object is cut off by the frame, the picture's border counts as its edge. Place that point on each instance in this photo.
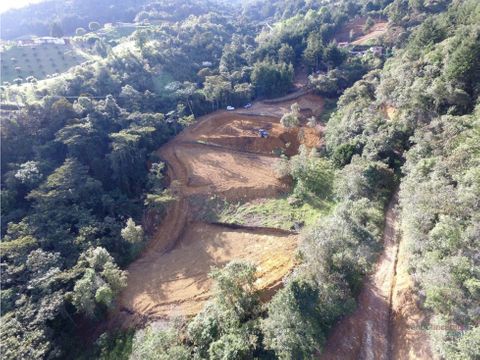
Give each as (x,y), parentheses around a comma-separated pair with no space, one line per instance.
(248,106)
(230,108)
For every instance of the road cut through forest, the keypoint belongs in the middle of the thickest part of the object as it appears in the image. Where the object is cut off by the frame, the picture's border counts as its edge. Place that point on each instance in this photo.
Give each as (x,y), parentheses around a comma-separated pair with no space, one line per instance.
(387,322)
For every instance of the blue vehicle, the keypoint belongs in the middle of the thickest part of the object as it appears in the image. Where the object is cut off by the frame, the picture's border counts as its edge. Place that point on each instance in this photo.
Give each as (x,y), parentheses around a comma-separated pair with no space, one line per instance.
(263,133)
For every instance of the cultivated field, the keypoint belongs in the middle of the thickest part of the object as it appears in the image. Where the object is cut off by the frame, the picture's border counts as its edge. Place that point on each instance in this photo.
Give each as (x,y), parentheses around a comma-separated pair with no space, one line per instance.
(38,61)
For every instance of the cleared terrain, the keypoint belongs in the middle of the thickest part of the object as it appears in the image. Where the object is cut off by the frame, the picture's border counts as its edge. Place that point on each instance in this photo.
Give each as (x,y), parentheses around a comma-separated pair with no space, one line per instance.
(221,155)
(377,30)
(354,31)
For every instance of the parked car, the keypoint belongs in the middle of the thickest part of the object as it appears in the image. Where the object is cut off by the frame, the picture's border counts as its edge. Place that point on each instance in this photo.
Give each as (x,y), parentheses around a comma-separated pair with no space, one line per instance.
(248,106)
(230,108)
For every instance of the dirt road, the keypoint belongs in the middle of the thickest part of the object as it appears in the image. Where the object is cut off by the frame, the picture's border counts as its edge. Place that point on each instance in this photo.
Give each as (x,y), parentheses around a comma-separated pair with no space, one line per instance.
(220,155)
(382,326)
(365,334)
(407,340)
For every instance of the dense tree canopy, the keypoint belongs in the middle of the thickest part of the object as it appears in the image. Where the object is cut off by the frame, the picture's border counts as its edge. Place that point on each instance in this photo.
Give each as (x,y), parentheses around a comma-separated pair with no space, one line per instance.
(79,169)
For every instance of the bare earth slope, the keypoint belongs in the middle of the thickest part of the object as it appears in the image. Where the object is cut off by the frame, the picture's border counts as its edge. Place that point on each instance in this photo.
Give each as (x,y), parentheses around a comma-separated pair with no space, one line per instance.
(181,284)
(356,27)
(374,33)
(221,155)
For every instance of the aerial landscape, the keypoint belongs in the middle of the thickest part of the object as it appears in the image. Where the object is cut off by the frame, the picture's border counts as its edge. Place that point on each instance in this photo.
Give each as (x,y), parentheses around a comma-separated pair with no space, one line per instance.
(259,179)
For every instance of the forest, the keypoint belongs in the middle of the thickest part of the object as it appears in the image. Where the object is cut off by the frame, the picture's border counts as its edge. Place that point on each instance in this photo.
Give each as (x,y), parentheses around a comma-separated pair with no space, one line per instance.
(81,176)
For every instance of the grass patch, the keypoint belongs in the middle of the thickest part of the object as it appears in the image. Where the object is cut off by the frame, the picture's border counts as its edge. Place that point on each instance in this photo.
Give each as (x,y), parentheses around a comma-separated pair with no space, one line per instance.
(276,213)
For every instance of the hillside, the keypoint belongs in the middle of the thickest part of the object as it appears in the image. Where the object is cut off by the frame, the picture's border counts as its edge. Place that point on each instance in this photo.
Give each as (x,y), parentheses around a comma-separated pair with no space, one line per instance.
(262,179)
(202,166)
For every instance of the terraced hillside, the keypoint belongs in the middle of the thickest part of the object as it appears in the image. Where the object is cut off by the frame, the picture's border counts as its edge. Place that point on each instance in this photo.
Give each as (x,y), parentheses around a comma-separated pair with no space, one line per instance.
(219,156)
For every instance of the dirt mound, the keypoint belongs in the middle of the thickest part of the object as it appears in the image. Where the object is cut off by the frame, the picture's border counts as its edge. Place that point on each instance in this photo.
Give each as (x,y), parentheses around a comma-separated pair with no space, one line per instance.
(181,284)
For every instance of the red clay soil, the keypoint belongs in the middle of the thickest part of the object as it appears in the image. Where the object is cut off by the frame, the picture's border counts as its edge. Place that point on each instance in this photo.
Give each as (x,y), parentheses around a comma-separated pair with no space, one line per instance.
(365,333)
(180,284)
(408,340)
(383,325)
(221,155)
